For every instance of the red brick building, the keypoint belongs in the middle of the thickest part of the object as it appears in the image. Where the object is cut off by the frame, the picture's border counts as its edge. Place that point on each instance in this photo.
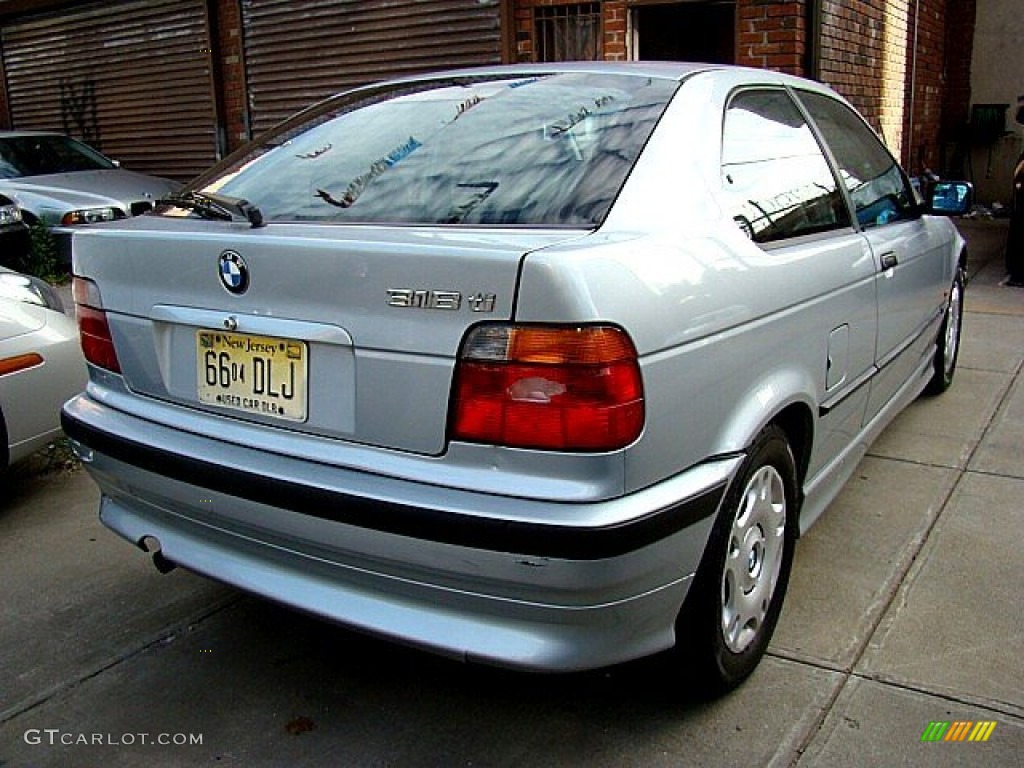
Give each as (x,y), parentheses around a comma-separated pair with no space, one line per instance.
(904,63)
(168,86)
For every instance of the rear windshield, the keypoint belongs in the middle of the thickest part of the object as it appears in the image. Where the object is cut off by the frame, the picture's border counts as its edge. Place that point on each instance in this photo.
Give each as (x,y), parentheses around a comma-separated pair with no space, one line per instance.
(551,150)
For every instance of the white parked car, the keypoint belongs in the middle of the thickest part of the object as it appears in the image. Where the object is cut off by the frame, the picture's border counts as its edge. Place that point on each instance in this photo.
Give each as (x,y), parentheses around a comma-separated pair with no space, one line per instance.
(41,365)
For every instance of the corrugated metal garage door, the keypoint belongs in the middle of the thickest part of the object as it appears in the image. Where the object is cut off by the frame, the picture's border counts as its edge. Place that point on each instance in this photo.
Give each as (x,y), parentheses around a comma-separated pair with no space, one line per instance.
(297,53)
(132,79)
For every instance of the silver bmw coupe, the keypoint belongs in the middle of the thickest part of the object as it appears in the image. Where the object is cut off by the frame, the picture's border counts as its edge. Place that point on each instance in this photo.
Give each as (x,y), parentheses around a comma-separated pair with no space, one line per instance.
(539,366)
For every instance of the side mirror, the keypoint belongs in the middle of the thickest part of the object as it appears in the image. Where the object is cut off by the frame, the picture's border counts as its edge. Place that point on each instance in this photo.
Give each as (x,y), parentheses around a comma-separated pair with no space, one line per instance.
(951,198)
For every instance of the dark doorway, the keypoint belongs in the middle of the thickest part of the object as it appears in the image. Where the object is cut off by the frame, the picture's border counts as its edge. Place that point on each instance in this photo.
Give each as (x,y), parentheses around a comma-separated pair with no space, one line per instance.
(685,31)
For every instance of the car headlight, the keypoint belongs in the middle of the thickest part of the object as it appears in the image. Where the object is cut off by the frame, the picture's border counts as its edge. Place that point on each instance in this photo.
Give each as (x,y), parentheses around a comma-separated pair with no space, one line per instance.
(30,290)
(91,216)
(9,214)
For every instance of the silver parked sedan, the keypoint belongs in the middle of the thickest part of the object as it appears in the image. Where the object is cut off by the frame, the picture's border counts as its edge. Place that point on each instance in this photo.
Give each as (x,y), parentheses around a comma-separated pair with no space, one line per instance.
(59,181)
(545,367)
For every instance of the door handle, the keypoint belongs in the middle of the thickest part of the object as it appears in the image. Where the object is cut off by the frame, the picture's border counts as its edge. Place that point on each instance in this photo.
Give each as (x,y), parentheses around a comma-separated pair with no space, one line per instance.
(889,260)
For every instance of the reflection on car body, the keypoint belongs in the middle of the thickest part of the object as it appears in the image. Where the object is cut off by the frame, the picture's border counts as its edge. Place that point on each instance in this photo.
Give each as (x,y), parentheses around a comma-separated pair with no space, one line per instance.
(586,354)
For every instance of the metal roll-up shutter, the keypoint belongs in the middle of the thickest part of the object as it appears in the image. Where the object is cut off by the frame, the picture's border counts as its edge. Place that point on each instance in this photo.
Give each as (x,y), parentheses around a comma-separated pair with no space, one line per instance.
(132,79)
(297,53)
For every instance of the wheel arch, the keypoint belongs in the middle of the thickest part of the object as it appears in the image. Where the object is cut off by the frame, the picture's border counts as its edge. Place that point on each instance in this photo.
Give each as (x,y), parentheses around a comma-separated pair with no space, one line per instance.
(797,421)
(782,397)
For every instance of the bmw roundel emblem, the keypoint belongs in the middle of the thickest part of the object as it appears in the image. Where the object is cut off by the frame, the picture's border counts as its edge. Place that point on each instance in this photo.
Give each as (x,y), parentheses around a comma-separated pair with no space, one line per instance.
(234,273)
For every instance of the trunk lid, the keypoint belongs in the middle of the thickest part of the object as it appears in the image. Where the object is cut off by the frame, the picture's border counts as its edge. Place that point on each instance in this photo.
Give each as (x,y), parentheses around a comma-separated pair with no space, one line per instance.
(367,319)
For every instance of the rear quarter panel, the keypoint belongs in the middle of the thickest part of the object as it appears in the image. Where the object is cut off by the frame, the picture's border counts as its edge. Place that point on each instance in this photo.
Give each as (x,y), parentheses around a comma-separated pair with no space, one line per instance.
(729,333)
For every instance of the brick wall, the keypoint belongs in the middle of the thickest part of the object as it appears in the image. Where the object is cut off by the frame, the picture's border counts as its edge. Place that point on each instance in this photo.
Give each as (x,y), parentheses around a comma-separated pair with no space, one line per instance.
(888,58)
(863,56)
(230,71)
(865,53)
(772,34)
(522,35)
(613,18)
(925,55)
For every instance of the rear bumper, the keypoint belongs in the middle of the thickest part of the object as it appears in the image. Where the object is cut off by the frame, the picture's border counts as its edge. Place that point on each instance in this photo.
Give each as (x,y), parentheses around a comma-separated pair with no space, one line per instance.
(466,574)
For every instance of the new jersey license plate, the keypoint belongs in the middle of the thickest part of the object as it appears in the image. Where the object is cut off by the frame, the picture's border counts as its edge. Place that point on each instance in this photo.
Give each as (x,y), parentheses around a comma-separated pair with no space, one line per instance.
(261,375)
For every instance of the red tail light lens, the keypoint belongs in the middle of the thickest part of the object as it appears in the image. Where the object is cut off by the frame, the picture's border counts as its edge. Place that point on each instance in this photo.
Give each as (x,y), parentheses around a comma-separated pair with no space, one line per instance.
(97,343)
(554,388)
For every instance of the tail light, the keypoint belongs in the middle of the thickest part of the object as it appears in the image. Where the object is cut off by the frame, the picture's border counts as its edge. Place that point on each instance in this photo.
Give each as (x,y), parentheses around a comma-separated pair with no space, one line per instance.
(549,387)
(97,343)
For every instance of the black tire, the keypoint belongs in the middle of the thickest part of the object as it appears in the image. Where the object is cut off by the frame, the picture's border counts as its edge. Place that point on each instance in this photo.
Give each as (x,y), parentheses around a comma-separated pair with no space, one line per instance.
(947,345)
(718,645)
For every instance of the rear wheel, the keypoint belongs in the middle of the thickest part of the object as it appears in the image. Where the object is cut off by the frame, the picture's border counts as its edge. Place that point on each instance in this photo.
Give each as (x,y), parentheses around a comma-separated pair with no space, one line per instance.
(734,603)
(947,345)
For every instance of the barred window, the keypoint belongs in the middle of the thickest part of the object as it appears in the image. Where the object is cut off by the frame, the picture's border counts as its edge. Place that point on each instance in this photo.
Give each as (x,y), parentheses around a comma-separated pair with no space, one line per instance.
(568,32)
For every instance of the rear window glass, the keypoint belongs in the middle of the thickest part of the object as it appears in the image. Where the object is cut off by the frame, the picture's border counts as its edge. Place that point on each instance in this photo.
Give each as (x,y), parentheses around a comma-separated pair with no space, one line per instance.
(551,150)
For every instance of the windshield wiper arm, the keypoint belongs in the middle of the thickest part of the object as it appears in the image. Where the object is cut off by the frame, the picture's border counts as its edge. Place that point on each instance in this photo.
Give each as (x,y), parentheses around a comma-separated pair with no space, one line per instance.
(205,206)
(217,207)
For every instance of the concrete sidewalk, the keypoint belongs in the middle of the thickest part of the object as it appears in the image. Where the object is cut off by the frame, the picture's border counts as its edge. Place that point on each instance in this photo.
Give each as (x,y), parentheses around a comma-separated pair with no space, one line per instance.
(936,507)
(904,609)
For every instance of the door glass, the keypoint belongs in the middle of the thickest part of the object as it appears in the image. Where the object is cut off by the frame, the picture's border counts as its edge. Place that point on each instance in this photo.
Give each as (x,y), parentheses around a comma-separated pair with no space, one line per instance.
(880,190)
(775,177)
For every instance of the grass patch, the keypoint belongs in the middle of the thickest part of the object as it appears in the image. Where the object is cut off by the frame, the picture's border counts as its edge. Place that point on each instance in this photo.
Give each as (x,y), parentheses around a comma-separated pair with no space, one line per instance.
(57,457)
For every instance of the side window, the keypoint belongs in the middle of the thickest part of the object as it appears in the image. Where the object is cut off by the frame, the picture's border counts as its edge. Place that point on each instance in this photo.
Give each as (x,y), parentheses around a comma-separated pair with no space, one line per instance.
(775,177)
(878,186)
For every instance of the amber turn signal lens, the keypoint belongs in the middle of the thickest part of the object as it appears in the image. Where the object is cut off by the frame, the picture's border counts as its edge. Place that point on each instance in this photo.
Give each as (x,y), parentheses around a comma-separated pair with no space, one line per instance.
(558,388)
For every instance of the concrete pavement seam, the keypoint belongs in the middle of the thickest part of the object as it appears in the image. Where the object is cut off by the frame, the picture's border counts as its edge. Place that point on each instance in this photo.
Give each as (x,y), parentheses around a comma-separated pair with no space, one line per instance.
(993,705)
(1002,707)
